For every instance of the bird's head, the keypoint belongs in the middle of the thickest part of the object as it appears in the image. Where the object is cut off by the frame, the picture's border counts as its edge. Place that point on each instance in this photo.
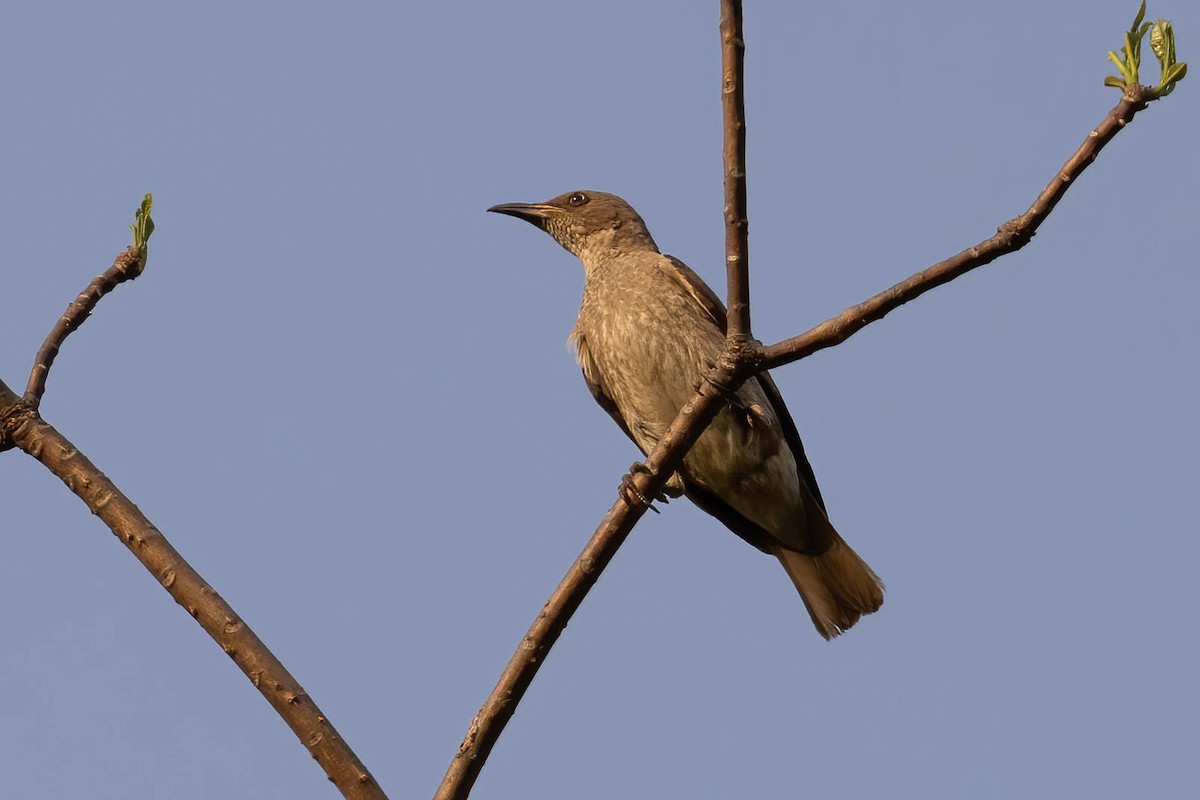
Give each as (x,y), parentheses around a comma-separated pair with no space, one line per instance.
(587,223)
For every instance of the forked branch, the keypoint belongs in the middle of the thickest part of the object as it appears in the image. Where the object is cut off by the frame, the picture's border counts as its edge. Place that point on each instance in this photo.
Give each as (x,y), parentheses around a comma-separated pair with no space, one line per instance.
(22,426)
(743,358)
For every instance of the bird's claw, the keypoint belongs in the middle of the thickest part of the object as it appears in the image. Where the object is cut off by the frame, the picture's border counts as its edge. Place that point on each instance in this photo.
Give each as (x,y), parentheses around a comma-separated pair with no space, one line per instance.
(632,495)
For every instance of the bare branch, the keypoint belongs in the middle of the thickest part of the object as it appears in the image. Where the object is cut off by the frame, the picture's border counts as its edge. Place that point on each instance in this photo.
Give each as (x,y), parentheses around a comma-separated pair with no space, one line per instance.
(20,425)
(125,268)
(737,224)
(1011,236)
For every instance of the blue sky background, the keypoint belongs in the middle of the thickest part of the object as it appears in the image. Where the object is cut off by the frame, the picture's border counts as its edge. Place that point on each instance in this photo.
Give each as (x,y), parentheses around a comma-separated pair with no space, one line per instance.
(341,391)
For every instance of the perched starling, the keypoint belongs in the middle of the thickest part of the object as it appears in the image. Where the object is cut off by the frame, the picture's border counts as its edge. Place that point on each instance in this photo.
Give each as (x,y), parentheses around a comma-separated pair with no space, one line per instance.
(648,330)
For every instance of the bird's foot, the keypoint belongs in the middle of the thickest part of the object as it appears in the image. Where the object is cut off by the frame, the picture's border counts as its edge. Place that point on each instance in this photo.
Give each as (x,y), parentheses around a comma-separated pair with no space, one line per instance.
(727,392)
(634,497)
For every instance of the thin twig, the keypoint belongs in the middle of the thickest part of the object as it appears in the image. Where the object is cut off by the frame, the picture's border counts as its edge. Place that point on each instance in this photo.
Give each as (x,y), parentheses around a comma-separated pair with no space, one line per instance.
(1010,237)
(21,425)
(737,224)
(124,268)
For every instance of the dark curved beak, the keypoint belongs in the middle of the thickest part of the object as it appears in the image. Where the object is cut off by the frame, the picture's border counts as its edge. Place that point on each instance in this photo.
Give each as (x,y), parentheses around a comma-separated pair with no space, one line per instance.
(534,213)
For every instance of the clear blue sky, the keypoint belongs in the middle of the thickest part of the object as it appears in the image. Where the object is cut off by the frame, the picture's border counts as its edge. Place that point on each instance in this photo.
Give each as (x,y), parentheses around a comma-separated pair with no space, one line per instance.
(341,390)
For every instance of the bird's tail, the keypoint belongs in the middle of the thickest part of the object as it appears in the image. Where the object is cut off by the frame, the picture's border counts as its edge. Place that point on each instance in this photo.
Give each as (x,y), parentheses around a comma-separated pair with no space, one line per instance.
(837,586)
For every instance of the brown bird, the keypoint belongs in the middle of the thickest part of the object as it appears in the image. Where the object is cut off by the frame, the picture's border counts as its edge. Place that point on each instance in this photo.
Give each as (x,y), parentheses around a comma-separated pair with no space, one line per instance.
(648,330)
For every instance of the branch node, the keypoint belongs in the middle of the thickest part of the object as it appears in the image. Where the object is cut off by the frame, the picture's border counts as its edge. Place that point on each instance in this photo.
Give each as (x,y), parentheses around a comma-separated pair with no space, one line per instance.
(743,356)
(15,417)
(1015,233)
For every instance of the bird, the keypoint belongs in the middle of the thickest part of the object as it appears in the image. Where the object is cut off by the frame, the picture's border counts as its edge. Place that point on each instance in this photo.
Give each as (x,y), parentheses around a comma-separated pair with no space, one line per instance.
(648,331)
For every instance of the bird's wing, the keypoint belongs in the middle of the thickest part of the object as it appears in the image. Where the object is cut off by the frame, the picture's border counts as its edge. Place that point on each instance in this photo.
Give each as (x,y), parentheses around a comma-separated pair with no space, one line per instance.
(595,382)
(707,299)
(791,435)
(692,283)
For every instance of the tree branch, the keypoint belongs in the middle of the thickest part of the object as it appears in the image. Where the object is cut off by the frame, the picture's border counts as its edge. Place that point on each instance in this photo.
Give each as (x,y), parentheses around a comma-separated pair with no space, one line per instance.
(123,269)
(22,426)
(737,223)
(1010,237)
(126,267)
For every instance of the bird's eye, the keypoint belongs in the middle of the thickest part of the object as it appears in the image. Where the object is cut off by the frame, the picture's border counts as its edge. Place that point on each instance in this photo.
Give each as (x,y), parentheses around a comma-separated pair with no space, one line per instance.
(577,199)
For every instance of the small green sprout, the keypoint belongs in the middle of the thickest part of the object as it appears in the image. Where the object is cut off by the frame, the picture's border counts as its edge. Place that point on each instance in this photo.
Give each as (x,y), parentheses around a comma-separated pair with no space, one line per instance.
(142,227)
(1162,42)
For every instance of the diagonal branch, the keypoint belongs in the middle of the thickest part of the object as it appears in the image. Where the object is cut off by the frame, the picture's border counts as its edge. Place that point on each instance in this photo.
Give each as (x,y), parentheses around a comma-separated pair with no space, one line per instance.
(500,705)
(20,425)
(78,311)
(1010,237)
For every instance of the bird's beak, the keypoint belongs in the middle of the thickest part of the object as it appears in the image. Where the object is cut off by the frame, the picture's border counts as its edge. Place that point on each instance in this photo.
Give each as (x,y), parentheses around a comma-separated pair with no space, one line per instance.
(535,213)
